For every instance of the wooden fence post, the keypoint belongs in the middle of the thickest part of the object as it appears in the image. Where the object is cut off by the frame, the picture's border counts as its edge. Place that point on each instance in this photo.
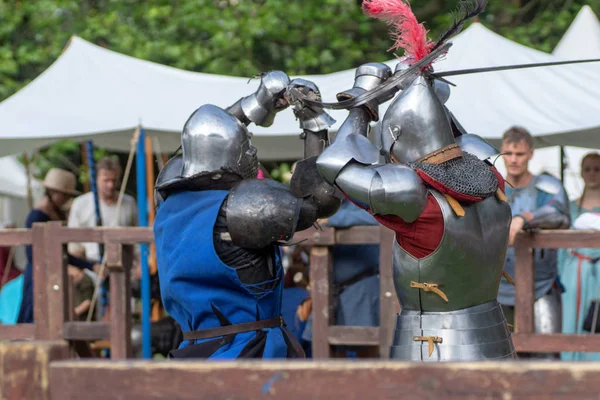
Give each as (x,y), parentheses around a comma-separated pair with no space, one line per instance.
(524,290)
(56,281)
(320,281)
(118,261)
(24,368)
(40,287)
(388,301)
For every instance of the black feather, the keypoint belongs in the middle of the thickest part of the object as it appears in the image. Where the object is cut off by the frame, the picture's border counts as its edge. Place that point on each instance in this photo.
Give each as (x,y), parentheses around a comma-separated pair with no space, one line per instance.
(467,10)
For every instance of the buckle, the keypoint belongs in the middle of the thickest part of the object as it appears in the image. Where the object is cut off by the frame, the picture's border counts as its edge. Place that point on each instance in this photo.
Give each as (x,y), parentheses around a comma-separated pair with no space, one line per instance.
(429,339)
(429,287)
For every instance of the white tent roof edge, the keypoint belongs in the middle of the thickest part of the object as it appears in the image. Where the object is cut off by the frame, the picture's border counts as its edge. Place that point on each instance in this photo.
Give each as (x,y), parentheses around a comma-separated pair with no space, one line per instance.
(126,90)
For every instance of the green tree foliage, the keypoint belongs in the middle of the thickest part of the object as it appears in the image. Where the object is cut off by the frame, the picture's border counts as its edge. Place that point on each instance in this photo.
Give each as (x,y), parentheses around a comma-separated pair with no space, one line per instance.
(535,23)
(243,37)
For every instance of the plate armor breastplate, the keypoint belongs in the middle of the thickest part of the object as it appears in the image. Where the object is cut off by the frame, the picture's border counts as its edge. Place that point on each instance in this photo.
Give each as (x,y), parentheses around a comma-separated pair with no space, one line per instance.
(467,264)
(465,269)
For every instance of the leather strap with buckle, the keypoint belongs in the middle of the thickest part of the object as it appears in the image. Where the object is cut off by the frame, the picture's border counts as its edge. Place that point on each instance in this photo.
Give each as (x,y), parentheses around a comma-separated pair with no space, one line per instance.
(429,287)
(442,155)
(429,339)
(501,196)
(508,278)
(459,211)
(234,329)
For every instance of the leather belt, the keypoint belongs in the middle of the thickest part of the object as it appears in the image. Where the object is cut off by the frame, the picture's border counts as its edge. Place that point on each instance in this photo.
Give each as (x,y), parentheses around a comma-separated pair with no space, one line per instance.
(233,329)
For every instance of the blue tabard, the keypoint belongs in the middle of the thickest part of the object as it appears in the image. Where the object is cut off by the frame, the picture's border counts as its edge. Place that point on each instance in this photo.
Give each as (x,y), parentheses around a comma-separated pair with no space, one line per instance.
(193,279)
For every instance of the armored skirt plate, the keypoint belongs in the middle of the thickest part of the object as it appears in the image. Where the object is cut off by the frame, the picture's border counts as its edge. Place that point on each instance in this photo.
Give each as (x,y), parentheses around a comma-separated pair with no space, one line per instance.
(472,334)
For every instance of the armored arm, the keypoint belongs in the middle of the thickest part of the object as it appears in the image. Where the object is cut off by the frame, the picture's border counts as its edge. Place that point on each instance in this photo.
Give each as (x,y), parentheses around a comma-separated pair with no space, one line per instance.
(350,163)
(262,211)
(307,184)
(262,106)
(555,213)
(546,217)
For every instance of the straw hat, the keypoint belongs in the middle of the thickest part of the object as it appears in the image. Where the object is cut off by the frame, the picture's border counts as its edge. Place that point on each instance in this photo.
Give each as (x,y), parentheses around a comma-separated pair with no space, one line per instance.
(62,181)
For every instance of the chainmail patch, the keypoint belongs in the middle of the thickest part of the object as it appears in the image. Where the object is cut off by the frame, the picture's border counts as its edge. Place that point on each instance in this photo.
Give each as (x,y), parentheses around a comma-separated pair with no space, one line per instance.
(466,175)
(247,166)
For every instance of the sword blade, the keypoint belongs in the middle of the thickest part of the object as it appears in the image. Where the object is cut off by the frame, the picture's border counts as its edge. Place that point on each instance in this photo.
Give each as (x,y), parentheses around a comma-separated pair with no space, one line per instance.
(507,67)
(385,86)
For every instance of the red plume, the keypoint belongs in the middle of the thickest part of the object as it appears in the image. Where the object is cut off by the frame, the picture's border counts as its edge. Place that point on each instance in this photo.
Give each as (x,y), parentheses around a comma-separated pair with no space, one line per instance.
(408,33)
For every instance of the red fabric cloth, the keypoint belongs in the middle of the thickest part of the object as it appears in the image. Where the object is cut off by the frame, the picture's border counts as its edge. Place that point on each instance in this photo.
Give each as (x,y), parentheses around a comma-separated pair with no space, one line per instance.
(4,252)
(501,181)
(419,238)
(422,237)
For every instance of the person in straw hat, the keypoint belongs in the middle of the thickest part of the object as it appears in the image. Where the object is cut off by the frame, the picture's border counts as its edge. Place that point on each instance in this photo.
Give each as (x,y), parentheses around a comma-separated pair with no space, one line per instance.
(59,190)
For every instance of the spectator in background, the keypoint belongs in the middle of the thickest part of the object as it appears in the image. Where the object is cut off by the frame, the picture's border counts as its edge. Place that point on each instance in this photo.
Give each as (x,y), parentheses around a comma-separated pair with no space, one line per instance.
(537,202)
(83,214)
(580,268)
(8,271)
(355,279)
(10,287)
(60,188)
(83,210)
(83,291)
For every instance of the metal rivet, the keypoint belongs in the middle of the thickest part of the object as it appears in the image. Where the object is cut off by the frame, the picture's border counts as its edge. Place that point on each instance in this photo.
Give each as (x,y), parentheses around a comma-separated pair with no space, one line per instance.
(55,287)
(388,294)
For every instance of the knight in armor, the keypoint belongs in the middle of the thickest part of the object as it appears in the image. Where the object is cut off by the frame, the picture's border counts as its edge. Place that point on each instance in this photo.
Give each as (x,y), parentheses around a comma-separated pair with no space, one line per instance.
(440,196)
(537,202)
(218,228)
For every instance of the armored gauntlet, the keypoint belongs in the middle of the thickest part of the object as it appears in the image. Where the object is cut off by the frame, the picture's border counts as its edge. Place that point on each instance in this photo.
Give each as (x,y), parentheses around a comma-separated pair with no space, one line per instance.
(368,77)
(312,118)
(261,106)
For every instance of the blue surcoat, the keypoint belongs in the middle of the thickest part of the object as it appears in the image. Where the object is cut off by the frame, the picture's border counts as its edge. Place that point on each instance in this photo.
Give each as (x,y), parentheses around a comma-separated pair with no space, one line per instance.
(198,289)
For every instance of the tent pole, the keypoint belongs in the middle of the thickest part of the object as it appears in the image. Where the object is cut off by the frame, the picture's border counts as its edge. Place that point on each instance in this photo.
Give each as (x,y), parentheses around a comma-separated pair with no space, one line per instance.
(142,202)
(28,172)
(159,160)
(150,193)
(84,167)
(563,164)
(89,145)
(156,314)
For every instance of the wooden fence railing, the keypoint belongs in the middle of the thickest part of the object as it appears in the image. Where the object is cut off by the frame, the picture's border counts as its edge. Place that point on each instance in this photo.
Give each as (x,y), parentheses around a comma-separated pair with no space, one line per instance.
(325,333)
(50,279)
(524,338)
(42,371)
(24,237)
(51,296)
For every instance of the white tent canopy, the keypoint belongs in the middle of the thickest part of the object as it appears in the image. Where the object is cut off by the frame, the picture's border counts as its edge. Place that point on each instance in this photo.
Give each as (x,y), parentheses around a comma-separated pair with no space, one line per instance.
(582,39)
(93,93)
(13,178)
(98,94)
(559,105)
(13,198)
